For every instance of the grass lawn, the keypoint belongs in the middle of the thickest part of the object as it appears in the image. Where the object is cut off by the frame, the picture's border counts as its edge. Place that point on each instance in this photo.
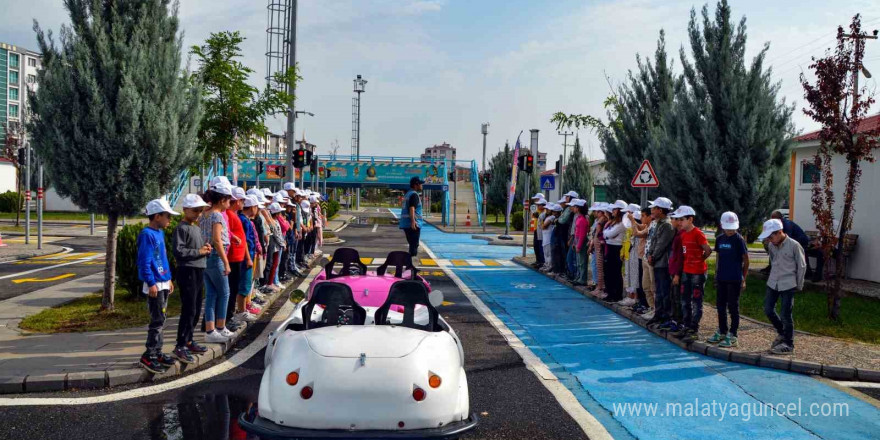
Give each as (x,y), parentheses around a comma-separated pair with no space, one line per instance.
(85,315)
(860,316)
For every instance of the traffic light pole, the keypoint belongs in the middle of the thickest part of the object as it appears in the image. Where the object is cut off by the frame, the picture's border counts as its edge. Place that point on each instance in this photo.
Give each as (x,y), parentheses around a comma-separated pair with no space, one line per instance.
(27,197)
(525,214)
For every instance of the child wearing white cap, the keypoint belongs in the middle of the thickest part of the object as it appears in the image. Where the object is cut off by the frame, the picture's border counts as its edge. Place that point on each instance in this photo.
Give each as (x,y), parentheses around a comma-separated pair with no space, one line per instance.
(547,227)
(155,272)
(538,236)
(695,250)
(732,267)
(786,277)
(190,252)
(215,230)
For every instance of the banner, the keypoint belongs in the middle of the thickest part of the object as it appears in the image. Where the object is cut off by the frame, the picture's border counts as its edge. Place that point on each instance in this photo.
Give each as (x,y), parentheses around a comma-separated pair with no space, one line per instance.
(512,191)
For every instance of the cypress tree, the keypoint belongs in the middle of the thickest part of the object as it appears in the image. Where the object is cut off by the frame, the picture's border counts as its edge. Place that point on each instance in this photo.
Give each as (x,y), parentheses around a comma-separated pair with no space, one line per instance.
(723,143)
(577,176)
(115,116)
(499,169)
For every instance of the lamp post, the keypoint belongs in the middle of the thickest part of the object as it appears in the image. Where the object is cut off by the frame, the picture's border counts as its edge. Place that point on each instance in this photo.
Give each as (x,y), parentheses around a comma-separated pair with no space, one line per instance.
(565,135)
(359,84)
(485,130)
(291,64)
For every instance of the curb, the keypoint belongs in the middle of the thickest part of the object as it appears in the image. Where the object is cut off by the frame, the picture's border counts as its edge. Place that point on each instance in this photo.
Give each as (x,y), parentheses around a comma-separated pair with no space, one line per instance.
(53,249)
(90,380)
(764,360)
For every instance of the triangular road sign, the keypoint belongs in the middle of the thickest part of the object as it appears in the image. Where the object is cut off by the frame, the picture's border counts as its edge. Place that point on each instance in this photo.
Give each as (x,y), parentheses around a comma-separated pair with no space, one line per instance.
(645,177)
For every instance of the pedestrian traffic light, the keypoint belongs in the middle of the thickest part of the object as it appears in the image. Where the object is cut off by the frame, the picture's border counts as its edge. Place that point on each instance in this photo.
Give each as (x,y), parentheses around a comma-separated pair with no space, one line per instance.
(308,157)
(259,167)
(299,158)
(526,163)
(313,167)
(22,154)
(558,167)
(326,173)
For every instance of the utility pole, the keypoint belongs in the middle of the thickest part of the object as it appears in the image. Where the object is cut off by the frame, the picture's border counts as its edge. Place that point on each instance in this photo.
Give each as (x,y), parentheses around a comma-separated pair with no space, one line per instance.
(565,135)
(291,115)
(485,130)
(359,84)
(40,206)
(27,197)
(857,68)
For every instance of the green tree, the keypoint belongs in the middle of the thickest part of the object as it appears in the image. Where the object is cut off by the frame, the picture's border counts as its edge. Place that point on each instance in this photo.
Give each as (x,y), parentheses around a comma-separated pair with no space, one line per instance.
(499,169)
(115,118)
(235,111)
(723,143)
(577,176)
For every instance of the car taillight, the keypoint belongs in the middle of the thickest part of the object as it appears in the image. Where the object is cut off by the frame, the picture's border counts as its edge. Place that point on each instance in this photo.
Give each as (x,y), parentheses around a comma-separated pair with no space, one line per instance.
(292,378)
(418,394)
(306,392)
(434,381)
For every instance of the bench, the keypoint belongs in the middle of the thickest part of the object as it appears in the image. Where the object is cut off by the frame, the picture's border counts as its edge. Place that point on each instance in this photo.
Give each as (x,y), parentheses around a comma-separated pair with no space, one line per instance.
(849,247)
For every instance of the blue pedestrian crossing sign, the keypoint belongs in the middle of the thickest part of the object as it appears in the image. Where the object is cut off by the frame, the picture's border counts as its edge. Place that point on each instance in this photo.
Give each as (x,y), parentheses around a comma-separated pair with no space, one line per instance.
(548,182)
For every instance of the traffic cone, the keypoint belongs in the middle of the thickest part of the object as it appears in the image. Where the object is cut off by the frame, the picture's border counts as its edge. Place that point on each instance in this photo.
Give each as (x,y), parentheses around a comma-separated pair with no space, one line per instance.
(468,221)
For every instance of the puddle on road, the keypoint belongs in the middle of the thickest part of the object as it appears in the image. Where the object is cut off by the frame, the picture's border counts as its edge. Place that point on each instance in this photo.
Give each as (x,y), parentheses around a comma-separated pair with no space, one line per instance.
(211,416)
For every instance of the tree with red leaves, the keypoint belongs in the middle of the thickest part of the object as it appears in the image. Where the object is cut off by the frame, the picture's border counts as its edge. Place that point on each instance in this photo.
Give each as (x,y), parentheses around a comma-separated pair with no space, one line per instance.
(836,102)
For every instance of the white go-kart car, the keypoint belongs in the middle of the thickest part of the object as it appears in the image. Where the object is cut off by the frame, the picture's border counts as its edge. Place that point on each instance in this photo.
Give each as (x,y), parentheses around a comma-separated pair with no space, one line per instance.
(364,355)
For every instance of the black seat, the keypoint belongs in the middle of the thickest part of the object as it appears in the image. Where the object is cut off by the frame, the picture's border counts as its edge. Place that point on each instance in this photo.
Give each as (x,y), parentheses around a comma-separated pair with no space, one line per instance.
(409,294)
(401,261)
(340,308)
(351,263)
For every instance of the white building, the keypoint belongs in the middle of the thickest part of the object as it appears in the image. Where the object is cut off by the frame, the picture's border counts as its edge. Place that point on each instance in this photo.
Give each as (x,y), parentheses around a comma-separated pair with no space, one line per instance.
(600,182)
(18,73)
(439,152)
(863,262)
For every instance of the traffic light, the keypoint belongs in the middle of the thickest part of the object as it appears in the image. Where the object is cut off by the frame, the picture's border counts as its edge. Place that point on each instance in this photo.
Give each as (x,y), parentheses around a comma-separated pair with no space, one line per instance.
(259,167)
(526,163)
(299,158)
(281,171)
(451,175)
(327,173)
(22,154)
(313,167)
(308,157)
(558,167)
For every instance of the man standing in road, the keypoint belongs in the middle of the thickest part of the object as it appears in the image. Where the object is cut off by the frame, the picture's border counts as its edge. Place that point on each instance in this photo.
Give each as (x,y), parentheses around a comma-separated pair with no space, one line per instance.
(411,215)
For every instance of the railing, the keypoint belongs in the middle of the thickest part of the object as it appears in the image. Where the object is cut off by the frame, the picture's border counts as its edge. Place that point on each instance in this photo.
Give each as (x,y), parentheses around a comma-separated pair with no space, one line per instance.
(182,181)
(478,192)
(446,193)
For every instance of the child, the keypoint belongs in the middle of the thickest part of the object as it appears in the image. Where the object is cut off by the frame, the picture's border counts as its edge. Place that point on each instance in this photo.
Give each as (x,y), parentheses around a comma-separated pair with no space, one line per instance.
(579,244)
(676,263)
(547,228)
(190,252)
(732,267)
(631,267)
(276,244)
(154,271)
(613,232)
(786,276)
(644,231)
(239,258)
(658,258)
(249,211)
(695,251)
(597,247)
(215,230)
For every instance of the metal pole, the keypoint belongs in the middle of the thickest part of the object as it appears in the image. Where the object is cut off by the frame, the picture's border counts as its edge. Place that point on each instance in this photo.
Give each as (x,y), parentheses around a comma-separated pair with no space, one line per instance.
(291,64)
(525,214)
(27,197)
(485,130)
(40,206)
(565,135)
(92,224)
(358,151)
(644,201)
(454,201)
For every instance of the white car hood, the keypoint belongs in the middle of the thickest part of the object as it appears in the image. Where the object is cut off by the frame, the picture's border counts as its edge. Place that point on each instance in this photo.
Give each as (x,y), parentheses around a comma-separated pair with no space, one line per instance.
(350,341)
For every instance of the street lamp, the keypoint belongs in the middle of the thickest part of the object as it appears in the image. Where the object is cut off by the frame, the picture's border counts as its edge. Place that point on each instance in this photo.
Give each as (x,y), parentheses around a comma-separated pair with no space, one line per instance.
(359,84)
(484,129)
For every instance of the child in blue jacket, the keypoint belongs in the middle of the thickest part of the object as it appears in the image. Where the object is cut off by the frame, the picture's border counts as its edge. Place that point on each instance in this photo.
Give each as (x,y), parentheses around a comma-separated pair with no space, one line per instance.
(154,271)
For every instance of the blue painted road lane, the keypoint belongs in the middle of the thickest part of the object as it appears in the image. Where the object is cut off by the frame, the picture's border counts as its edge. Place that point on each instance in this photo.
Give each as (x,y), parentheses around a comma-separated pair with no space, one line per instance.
(607,362)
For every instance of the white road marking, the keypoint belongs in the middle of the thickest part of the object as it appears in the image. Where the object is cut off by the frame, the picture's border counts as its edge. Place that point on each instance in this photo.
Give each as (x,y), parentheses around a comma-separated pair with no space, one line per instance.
(238,359)
(857,384)
(378,261)
(563,395)
(64,250)
(375,226)
(509,263)
(392,212)
(80,261)
(476,263)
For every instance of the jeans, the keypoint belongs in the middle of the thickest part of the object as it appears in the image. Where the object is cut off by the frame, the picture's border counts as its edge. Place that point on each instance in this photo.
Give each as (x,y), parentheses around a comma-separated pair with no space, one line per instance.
(216,289)
(784,324)
(246,282)
(190,282)
(412,238)
(298,254)
(662,286)
(538,247)
(548,253)
(274,258)
(728,300)
(157,308)
(571,262)
(234,279)
(640,291)
(613,274)
(692,299)
(292,243)
(583,258)
(593,271)
(675,300)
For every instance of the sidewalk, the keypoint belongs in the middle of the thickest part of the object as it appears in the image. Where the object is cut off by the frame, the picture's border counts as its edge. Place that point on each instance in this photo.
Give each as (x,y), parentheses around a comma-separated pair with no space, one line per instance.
(66,361)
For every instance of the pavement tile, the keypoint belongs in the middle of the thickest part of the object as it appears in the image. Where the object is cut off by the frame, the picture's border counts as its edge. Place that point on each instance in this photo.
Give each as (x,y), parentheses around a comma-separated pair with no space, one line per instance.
(805,367)
(45,382)
(779,363)
(838,372)
(718,353)
(745,357)
(86,380)
(126,376)
(11,384)
(868,375)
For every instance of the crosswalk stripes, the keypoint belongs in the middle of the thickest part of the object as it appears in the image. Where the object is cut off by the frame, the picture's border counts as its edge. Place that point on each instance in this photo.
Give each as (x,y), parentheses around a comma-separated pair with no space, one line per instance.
(442,262)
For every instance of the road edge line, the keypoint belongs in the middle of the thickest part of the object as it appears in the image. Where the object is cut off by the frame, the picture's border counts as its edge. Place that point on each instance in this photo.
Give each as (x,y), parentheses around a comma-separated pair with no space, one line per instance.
(587,422)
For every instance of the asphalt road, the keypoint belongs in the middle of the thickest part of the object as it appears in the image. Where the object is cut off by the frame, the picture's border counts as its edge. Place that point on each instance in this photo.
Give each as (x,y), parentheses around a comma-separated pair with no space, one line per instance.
(85,258)
(510,400)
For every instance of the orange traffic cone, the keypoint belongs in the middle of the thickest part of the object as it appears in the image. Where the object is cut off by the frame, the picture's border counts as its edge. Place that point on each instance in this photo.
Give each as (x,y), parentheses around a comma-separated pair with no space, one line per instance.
(468,221)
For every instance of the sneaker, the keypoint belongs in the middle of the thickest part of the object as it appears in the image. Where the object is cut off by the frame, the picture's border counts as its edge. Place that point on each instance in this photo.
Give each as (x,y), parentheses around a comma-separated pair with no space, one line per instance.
(253,310)
(233,325)
(691,335)
(258,301)
(682,333)
(226,333)
(245,316)
(716,338)
(666,325)
(729,341)
(166,360)
(183,355)
(649,315)
(196,348)
(779,339)
(782,348)
(626,302)
(151,364)
(215,337)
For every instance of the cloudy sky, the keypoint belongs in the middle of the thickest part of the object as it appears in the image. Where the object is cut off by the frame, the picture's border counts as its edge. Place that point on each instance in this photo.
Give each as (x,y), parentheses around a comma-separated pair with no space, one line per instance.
(439,68)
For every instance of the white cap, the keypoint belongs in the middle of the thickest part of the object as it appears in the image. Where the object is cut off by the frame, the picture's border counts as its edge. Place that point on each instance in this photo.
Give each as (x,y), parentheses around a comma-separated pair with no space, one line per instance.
(578,202)
(541,201)
(216,180)
(571,194)
(305,204)
(561,201)
(538,196)
(593,207)
(620,204)
(683,211)
(770,226)
(729,220)
(633,208)
(222,188)
(661,202)
(289,202)
(280,195)
(159,206)
(275,208)
(238,193)
(637,215)
(313,198)
(193,201)
(288,186)
(267,192)
(252,201)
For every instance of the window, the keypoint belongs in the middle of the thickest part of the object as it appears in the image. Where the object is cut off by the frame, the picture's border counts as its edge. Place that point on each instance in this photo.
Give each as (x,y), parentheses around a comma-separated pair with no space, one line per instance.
(13,110)
(31,79)
(13,77)
(32,62)
(809,173)
(13,61)
(13,93)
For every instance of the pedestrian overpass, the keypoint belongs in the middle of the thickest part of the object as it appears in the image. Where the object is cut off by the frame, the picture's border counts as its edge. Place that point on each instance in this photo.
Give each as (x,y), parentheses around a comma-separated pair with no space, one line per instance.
(348,172)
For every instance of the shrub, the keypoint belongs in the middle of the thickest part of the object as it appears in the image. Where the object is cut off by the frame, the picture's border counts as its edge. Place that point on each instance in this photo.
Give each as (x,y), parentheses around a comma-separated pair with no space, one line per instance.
(332,207)
(516,220)
(437,207)
(126,256)
(9,200)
